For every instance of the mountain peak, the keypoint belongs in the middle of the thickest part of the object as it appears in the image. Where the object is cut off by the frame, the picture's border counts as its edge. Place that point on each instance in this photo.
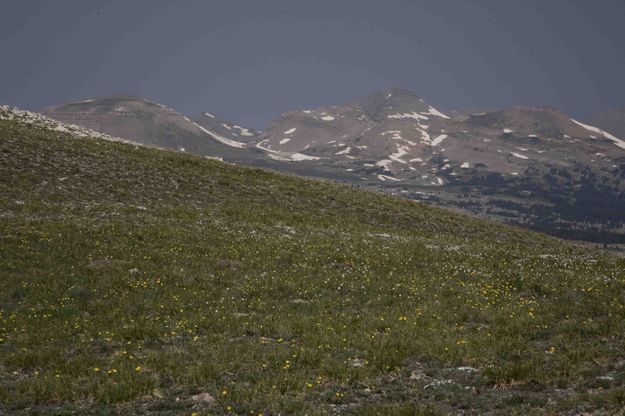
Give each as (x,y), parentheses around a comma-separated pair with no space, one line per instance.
(390,94)
(380,104)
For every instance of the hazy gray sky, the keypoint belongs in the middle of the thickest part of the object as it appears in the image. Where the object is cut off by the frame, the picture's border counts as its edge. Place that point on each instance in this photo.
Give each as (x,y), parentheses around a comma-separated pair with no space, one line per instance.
(248,61)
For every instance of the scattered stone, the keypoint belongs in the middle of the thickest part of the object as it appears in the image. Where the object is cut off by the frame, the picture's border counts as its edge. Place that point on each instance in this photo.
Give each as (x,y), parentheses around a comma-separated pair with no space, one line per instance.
(357,362)
(453,248)
(299,301)
(418,375)
(133,271)
(203,398)
(438,383)
(266,340)
(467,369)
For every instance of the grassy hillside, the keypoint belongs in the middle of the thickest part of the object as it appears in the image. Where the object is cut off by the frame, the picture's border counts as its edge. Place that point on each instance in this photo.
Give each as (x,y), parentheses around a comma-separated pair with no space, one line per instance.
(134,280)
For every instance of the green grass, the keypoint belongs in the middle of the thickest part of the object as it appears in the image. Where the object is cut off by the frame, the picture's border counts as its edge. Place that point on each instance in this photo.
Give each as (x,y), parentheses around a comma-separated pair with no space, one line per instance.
(335,300)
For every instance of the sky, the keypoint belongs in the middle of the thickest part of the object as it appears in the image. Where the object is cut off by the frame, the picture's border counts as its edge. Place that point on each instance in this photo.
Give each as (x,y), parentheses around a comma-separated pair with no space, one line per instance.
(249,61)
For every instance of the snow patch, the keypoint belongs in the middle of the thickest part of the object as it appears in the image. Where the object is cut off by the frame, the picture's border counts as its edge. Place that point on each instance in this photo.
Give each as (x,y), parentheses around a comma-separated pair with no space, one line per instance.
(209,115)
(414,115)
(520,156)
(284,141)
(508,131)
(301,156)
(327,118)
(288,157)
(289,131)
(425,137)
(244,131)
(385,163)
(401,151)
(276,156)
(344,152)
(433,111)
(385,178)
(438,140)
(220,138)
(465,165)
(620,143)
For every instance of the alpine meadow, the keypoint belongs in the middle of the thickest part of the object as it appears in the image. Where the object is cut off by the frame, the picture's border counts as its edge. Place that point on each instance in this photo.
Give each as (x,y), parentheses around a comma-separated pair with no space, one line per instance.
(296,208)
(144,281)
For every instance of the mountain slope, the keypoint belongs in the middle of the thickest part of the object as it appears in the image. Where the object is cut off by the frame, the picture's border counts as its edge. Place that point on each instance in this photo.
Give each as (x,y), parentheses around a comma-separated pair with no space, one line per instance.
(144,122)
(225,128)
(137,280)
(370,134)
(533,166)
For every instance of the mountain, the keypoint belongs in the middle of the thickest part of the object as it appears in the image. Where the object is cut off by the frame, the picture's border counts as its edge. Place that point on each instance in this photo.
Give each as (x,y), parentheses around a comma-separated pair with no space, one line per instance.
(612,121)
(363,135)
(533,166)
(145,122)
(137,280)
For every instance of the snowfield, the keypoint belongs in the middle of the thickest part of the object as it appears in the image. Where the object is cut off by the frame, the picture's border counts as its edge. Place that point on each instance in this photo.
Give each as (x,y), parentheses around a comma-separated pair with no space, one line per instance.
(220,138)
(438,140)
(413,115)
(620,143)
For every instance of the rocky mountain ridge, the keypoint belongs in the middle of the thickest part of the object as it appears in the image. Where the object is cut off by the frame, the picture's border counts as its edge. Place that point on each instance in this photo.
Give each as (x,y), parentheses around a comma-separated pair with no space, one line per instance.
(532,166)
